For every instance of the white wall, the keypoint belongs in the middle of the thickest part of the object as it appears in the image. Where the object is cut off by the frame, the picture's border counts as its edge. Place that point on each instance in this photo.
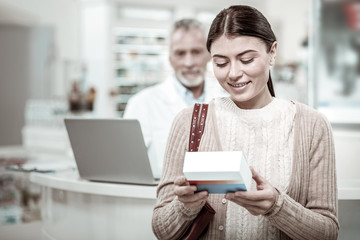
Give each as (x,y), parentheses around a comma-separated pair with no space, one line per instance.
(26,71)
(62,15)
(347,150)
(289,19)
(95,45)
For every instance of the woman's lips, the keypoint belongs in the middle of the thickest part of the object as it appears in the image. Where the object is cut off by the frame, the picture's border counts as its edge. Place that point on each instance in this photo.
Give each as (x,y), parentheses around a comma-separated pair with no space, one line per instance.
(239,85)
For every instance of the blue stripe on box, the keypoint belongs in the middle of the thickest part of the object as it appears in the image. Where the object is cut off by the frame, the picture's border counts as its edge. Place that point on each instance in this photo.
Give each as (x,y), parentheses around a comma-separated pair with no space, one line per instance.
(220,188)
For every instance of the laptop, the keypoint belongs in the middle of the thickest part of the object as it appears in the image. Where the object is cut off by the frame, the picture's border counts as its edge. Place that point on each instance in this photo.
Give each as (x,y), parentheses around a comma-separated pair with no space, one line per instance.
(110,150)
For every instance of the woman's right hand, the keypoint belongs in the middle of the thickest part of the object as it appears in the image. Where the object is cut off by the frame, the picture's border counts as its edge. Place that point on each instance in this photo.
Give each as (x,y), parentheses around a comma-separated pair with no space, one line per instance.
(186,193)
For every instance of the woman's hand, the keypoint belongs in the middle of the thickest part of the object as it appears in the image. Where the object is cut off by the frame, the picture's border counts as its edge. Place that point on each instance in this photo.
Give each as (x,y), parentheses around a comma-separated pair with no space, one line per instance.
(257,202)
(186,193)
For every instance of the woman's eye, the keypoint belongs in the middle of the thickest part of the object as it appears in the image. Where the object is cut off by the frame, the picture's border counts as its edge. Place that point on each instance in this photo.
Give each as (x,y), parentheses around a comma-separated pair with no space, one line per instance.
(221,64)
(247,61)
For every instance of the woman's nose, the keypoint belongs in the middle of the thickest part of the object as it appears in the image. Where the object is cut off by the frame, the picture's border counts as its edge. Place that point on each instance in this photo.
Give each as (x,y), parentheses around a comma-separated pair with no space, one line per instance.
(236,71)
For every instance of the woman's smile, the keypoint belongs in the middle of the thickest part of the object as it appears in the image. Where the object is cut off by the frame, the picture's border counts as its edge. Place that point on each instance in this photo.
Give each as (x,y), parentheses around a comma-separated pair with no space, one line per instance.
(239,85)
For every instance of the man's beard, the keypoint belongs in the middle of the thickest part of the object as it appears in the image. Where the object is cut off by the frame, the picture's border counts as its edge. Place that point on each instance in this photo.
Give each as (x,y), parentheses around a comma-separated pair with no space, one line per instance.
(190,83)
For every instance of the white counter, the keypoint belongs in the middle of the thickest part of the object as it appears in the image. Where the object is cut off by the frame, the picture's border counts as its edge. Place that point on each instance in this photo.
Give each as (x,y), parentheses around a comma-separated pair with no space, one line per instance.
(70,181)
(349,189)
(73,208)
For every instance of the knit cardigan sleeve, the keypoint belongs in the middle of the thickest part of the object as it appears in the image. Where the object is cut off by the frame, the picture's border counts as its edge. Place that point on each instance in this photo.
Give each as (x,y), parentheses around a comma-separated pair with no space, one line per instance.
(171,218)
(314,213)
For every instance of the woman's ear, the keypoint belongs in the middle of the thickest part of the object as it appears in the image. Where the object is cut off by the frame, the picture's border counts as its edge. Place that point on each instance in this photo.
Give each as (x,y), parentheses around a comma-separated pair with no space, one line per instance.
(272,53)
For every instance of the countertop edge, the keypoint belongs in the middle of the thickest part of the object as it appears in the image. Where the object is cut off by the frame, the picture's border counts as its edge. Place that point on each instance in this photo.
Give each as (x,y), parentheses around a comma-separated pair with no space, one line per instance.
(71,182)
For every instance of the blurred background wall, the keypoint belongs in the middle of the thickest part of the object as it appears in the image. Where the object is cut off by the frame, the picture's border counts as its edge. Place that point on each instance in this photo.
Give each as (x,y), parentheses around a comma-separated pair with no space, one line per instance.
(119,47)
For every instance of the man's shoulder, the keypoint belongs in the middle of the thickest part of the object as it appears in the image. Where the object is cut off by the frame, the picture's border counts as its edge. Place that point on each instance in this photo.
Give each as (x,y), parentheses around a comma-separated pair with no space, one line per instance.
(148,93)
(150,90)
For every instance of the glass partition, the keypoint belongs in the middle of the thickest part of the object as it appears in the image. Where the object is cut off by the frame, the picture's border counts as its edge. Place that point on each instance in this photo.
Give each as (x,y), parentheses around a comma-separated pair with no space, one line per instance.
(335,60)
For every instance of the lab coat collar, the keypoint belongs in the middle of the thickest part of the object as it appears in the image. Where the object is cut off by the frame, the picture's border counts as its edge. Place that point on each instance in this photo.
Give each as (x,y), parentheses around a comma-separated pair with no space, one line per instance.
(185,93)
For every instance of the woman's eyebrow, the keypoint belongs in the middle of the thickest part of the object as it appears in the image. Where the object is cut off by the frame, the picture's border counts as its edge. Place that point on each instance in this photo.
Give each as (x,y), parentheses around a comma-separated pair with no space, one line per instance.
(238,55)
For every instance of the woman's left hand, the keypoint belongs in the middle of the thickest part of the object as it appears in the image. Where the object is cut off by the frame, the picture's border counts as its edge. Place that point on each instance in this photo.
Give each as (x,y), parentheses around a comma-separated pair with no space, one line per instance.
(257,202)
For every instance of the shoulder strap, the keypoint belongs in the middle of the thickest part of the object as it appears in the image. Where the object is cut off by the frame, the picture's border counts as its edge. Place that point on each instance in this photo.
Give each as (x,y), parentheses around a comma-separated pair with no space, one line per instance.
(197,126)
(203,219)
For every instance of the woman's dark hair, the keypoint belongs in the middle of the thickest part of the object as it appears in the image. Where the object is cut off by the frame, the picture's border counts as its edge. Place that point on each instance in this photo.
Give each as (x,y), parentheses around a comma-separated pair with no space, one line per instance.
(242,20)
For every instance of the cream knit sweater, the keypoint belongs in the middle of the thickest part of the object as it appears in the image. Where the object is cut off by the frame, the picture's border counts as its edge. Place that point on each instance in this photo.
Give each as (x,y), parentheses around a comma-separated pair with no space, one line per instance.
(266,137)
(307,205)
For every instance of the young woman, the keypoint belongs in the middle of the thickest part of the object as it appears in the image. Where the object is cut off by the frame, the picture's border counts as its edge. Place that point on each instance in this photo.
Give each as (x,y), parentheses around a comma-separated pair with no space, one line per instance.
(289,146)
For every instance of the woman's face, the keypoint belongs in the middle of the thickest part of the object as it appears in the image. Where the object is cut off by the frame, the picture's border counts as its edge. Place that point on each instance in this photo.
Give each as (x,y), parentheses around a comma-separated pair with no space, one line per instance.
(241,65)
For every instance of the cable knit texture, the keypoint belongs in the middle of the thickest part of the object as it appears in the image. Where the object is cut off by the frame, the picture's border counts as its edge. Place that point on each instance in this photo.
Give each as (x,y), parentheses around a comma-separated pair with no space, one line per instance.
(266,137)
(288,143)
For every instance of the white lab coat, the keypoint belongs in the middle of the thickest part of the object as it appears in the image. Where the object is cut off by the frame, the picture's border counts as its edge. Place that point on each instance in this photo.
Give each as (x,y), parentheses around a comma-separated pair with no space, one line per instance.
(155,108)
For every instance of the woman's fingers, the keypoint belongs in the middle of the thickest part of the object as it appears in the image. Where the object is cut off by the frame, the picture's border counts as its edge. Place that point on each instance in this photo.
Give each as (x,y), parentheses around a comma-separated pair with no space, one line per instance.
(258,195)
(186,193)
(261,205)
(258,201)
(184,190)
(194,200)
(260,181)
(181,181)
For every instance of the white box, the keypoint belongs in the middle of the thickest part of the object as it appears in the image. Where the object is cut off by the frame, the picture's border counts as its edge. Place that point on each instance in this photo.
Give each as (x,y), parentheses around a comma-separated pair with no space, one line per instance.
(218,172)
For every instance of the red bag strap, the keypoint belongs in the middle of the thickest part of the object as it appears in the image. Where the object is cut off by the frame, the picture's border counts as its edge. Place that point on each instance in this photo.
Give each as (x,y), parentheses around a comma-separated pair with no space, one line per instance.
(201,222)
(197,126)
